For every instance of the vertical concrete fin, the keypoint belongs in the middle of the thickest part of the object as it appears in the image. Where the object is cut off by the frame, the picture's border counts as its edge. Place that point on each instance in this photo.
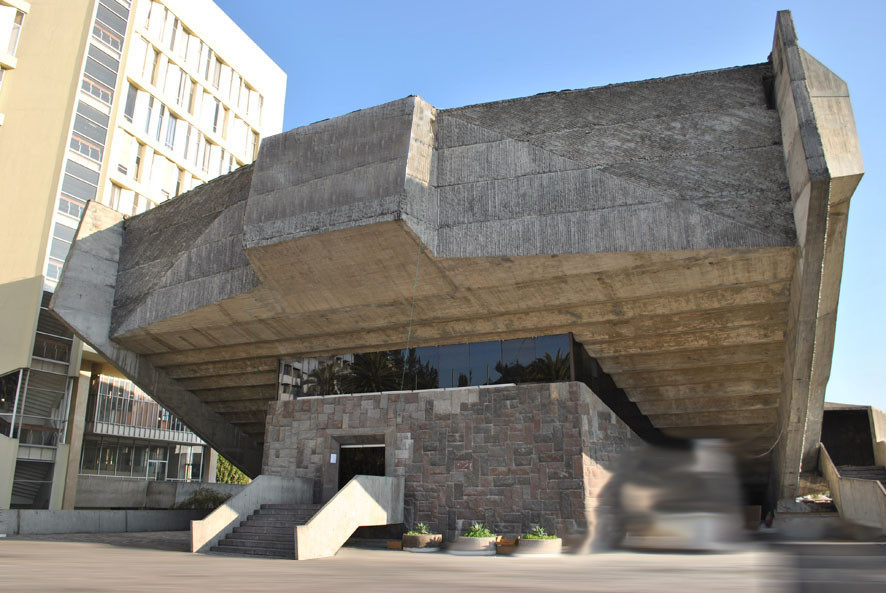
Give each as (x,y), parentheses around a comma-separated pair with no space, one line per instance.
(823,163)
(84,299)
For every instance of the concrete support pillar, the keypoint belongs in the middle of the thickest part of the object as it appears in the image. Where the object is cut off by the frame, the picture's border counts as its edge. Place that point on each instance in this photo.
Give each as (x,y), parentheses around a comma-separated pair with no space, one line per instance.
(76,428)
(210,461)
(8,453)
(59,471)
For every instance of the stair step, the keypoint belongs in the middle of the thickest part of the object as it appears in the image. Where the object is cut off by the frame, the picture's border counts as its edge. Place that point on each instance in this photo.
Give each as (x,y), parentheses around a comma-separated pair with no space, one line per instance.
(260,537)
(283,513)
(269,553)
(271,523)
(268,530)
(304,506)
(258,544)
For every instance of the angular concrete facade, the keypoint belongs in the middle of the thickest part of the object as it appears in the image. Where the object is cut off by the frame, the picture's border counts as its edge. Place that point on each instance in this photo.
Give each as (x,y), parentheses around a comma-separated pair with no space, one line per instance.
(687,231)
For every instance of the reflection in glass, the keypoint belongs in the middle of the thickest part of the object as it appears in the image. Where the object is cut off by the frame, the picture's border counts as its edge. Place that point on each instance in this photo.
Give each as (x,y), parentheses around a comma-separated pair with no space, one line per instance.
(522,360)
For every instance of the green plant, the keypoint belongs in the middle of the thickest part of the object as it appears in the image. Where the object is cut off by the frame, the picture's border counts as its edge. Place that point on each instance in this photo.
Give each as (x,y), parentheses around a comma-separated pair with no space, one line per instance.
(227,473)
(538,532)
(203,499)
(478,530)
(420,529)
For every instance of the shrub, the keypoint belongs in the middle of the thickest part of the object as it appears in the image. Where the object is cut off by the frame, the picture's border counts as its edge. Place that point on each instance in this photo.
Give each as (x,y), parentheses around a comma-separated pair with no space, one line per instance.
(538,532)
(478,530)
(420,529)
(203,499)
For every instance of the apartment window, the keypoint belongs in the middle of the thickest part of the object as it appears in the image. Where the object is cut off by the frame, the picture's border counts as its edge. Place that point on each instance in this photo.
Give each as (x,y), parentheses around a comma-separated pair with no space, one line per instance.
(86,148)
(216,74)
(215,116)
(138,161)
(106,36)
(71,206)
(129,108)
(16,30)
(170,131)
(97,90)
(155,67)
(149,110)
(206,156)
(160,122)
(183,82)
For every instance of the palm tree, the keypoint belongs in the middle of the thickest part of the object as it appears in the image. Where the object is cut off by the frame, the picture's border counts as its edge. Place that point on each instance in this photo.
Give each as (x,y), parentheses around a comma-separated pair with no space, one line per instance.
(326,379)
(374,371)
(550,369)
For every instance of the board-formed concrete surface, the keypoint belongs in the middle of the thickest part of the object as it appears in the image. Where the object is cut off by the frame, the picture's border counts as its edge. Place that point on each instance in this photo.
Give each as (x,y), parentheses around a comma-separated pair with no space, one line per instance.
(687,230)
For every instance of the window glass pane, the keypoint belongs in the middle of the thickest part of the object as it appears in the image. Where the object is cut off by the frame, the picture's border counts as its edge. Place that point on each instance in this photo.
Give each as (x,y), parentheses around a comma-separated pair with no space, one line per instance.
(485,357)
(124,461)
(89,129)
(59,249)
(63,232)
(77,188)
(107,460)
(111,19)
(104,59)
(84,173)
(138,461)
(454,366)
(89,464)
(100,73)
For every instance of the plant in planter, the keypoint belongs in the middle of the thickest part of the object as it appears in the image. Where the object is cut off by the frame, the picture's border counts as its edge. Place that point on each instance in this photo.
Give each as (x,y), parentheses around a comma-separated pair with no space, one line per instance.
(477,540)
(539,542)
(421,539)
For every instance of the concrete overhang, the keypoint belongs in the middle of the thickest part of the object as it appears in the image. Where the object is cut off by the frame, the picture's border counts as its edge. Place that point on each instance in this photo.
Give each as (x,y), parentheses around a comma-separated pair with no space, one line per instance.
(657,221)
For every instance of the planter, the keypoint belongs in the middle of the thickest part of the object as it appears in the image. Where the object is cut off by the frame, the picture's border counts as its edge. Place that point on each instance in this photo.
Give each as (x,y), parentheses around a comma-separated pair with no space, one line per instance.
(422,543)
(473,546)
(539,547)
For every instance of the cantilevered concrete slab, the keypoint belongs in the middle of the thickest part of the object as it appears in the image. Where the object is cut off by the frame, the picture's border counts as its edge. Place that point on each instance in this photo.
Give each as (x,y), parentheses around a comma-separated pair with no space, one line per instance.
(687,230)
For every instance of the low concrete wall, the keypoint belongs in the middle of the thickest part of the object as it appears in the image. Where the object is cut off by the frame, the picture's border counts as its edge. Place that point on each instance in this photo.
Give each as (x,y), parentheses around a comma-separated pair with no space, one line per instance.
(41,522)
(105,492)
(262,490)
(859,501)
(364,501)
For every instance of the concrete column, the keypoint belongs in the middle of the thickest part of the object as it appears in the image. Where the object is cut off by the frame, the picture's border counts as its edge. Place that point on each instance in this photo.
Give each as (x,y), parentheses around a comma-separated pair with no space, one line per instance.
(76,429)
(59,471)
(8,453)
(210,461)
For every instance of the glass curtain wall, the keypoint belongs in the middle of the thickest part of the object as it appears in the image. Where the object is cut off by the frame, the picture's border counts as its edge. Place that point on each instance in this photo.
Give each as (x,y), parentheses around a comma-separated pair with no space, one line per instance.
(107,456)
(544,359)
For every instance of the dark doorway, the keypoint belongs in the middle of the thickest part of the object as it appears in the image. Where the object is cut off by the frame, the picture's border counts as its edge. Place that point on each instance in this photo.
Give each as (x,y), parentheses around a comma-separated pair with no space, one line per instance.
(368,460)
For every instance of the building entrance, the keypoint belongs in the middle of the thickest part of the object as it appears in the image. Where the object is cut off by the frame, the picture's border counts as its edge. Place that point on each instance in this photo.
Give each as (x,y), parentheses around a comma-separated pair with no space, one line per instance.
(367,460)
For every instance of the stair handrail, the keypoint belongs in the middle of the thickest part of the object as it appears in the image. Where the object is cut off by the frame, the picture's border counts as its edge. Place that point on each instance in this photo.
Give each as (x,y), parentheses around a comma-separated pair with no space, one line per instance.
(857,500)
(364,501)
(264,489)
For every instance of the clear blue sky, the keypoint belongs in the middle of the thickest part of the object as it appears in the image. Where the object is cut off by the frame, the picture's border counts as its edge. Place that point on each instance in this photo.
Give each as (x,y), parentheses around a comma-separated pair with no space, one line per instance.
(342,56)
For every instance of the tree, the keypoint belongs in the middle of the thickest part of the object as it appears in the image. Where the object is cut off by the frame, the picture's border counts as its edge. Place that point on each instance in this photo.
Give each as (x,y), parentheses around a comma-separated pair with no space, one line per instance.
(326,379)
(227,473)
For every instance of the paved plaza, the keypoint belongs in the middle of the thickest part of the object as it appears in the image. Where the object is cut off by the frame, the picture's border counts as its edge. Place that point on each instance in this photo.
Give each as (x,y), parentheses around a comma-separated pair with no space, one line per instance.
(159,562)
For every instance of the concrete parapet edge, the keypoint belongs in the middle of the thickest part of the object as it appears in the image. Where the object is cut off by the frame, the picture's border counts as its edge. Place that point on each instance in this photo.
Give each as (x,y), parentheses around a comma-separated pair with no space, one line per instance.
(364,501)
(44,522)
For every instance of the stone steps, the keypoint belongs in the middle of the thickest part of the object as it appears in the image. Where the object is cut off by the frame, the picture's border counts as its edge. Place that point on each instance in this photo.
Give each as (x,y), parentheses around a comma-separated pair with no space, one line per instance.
(269,531)
(863,472)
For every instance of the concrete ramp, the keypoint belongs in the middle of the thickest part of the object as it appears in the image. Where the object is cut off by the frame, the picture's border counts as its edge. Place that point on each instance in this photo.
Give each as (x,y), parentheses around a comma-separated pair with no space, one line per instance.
(364,501)
(859,496)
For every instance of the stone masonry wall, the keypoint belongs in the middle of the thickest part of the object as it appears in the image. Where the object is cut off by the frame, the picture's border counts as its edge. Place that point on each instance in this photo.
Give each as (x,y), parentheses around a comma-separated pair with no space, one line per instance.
(509,456)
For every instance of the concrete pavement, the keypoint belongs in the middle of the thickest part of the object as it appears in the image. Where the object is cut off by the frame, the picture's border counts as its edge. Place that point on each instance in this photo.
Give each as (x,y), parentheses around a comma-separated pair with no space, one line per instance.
(158,562)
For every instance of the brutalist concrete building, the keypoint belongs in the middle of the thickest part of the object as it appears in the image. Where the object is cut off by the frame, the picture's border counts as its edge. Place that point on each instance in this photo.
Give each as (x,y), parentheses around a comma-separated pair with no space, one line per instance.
(492,302)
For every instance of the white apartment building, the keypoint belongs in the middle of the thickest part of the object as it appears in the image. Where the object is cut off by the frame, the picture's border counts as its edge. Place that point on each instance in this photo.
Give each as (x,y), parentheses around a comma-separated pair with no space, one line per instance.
(131,103)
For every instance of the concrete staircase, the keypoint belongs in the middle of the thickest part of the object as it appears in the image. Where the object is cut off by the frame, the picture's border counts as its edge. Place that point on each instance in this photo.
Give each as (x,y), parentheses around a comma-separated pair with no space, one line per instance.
(269,531)
(863,472)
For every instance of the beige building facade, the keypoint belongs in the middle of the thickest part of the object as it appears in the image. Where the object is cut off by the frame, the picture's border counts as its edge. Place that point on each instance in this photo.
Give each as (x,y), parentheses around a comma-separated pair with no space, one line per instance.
(128,103)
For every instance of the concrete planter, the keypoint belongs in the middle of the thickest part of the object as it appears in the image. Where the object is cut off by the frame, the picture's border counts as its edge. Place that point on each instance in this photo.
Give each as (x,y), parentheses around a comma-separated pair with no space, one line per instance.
(422,543)
(473,546)
(539,547)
